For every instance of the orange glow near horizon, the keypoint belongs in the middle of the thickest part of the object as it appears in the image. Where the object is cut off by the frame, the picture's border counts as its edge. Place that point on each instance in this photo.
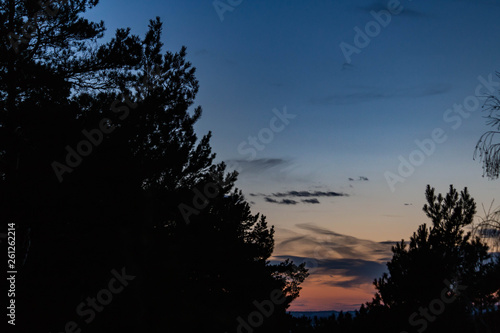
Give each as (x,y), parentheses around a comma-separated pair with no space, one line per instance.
(323,297)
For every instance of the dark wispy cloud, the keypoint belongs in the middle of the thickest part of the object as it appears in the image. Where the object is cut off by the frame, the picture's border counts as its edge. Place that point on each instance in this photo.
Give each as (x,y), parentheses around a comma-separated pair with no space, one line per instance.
(256,165)
(357,271)
(335,244)
(389,242)
(347,273)
(383,5)
(357,95)
(489,232)
(308,194)
(333,258)
(311,201)
(485,2)
(286,196)
(360,178)
(281,202)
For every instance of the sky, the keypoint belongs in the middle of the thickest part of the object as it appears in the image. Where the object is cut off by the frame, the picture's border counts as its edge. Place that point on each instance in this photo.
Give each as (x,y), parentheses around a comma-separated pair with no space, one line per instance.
(337,114)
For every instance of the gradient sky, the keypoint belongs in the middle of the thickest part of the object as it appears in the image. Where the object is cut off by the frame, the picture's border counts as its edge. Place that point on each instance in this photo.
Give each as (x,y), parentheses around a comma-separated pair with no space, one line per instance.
(321,178)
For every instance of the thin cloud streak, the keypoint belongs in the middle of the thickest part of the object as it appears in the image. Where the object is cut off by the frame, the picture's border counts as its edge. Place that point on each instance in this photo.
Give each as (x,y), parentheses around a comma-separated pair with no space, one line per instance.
(368,94)
(313,195)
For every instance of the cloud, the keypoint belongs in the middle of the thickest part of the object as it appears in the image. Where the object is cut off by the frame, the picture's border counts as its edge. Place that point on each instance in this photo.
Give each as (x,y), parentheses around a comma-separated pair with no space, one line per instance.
(313,195)
(382,5)
(282,202)
(489,232)
(334,259)
(332,244)
(484,2)
(311,201)
(347,273)
(256,165)
(309,194)
(389,242)
(356,271)
(360,178)
(355,95)
(423,91)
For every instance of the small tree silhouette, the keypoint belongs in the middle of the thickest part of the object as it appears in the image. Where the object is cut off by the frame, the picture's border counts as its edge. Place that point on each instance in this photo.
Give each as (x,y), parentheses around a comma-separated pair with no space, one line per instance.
(441,252)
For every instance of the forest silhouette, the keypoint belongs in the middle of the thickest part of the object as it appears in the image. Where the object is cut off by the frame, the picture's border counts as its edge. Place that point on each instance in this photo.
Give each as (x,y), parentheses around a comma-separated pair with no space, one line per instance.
(124,223)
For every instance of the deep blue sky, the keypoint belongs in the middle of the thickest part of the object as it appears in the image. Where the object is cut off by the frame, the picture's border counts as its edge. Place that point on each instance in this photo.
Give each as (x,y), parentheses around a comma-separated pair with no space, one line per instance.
(353,118)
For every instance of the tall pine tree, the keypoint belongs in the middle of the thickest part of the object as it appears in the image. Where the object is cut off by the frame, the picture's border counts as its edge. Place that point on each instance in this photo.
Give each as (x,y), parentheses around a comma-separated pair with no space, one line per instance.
(102,172)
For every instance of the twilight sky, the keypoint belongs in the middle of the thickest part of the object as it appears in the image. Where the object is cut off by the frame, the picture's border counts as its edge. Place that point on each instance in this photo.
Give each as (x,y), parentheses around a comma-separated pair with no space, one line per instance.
(337,114)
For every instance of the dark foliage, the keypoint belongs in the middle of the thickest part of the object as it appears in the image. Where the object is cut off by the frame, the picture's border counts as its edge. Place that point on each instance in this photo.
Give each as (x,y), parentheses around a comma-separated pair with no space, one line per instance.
(114,204)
